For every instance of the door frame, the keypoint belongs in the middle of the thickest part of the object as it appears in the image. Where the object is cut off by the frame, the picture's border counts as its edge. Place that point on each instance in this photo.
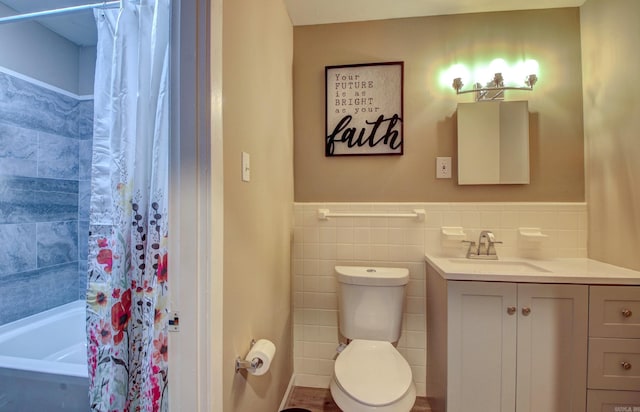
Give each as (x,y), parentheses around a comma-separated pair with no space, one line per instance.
(196,218)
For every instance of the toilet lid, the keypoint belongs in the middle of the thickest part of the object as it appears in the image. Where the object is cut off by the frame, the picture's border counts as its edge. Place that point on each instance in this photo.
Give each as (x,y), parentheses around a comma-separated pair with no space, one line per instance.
(373,372)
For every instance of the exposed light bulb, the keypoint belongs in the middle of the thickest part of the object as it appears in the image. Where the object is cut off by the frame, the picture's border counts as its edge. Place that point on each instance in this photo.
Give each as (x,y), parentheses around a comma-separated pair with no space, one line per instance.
(498,66)
(531,66)
(460,71)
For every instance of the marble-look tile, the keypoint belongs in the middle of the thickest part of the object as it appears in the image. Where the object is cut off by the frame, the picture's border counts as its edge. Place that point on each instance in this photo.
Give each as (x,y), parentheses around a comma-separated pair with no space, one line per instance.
(84,199)
(83,239)
(28,200)
(54,206)
(85,153)
(58,157)
(26,293)
(85,119)
(82,279)
(57,243)
(18,151)
(38,184)
(17,248)
(16,206)
(27,105)
(41,161)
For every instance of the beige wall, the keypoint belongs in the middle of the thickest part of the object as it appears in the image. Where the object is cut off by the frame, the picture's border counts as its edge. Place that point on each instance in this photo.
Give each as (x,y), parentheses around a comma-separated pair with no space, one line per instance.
(427,46)
(257,118)
(610,66)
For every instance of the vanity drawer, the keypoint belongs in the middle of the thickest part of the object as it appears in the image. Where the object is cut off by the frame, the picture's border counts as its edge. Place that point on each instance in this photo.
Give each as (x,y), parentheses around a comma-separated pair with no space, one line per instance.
(614,364)
(614,311)
(612,401)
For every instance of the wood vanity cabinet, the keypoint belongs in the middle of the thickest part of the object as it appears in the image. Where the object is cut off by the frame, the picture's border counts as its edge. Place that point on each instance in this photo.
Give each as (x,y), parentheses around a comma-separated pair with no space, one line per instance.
(506,347)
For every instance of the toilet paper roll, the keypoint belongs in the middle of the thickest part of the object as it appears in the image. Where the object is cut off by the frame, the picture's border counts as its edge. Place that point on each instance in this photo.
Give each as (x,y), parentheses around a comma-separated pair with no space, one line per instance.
(264,350)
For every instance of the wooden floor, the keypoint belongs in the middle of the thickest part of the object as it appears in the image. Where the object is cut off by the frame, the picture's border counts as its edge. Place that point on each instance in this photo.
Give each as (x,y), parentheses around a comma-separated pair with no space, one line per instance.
(319,400)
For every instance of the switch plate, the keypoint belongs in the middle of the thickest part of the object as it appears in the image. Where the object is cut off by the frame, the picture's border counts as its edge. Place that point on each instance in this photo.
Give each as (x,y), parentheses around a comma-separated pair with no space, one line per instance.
(246,167)
(174,322)
(443,168)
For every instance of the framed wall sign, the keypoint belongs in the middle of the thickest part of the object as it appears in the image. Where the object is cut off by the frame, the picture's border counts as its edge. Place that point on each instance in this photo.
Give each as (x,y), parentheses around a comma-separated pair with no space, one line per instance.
(364,104)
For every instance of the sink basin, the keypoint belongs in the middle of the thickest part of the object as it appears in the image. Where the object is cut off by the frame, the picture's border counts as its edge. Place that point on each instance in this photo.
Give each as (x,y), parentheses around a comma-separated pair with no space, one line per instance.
(495,266)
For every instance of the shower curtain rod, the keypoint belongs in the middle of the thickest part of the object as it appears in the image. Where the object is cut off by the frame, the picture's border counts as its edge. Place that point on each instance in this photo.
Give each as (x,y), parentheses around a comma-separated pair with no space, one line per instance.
(47,13)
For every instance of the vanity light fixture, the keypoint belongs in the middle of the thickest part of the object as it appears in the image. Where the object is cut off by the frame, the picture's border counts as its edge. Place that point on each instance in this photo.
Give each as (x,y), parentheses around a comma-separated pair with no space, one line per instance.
(493,90)
(505,77)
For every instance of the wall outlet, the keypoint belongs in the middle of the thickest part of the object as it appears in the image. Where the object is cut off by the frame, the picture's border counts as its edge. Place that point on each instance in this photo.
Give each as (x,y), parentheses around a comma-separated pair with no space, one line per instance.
(443,168)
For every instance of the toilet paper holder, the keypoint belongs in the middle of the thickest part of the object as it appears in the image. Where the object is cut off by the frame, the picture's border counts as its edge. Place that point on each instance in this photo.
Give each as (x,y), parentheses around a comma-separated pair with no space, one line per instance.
(250,365)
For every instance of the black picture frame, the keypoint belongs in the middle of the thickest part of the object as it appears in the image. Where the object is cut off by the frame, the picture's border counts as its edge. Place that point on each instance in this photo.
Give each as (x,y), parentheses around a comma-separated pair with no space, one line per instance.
(364,106)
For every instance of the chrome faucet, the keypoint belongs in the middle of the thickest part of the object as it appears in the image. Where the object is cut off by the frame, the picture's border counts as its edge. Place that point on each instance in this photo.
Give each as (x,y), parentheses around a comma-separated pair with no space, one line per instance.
(485,242)
(486,247)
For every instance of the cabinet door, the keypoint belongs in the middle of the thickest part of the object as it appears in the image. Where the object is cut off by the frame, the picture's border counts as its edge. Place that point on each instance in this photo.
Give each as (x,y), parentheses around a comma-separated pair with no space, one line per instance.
(552,348)
(481,351)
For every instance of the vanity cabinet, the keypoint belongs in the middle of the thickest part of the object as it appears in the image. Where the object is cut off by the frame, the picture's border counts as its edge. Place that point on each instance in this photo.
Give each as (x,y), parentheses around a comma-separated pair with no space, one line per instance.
(614,349)
(505,346)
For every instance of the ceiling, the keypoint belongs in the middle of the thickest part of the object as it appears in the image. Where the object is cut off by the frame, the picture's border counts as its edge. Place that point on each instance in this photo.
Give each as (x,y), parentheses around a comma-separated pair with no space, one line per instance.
(306,12)
(80,29)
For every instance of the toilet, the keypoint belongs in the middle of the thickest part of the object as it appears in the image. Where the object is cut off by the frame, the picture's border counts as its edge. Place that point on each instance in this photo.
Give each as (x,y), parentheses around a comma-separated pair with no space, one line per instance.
(370,374)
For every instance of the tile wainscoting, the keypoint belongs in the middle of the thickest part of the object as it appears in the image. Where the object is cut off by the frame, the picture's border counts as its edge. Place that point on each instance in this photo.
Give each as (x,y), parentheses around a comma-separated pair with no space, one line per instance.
(319,245)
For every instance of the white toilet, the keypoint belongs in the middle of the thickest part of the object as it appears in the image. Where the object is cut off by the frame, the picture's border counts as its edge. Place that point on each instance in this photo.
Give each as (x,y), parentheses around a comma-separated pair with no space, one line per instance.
(370,374)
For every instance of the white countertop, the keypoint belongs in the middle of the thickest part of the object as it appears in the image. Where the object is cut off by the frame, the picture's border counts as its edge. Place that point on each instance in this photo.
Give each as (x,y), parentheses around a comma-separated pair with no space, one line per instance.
(574,270)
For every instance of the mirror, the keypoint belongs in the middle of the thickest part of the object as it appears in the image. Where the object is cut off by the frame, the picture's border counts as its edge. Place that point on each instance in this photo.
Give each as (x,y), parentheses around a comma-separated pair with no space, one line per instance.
(493,143)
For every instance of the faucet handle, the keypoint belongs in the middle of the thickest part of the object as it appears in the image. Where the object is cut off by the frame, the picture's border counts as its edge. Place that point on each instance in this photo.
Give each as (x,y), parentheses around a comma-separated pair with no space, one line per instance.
(491,250)
(472,251)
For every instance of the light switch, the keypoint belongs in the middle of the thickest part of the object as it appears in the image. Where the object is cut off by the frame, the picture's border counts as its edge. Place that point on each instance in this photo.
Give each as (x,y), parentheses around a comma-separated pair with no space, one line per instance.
(246,167)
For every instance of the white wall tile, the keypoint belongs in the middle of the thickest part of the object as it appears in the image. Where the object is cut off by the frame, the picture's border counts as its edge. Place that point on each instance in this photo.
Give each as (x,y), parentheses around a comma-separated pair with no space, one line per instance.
(310,250)
(345,251)
(415,288)
(318,245)
(419,374)
(380,252)
(344,235)
(414,322)
(433,219)
(362,235)
(327,251)
(414,236)
(310,267)
(327,235)
(396,236)
(326,267)
(379,235)
(451,219)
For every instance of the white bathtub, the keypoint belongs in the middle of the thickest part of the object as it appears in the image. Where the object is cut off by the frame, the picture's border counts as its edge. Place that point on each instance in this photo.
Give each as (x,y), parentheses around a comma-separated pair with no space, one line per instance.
(43,361)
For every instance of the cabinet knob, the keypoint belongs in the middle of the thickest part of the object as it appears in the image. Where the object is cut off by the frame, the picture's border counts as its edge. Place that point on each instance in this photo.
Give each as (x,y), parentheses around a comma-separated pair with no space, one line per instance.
(625,365)
(627,313)
(511,310)
(526,311)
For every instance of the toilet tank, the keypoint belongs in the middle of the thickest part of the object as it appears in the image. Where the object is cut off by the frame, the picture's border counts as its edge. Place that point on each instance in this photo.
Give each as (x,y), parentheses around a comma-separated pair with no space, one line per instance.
(371,301)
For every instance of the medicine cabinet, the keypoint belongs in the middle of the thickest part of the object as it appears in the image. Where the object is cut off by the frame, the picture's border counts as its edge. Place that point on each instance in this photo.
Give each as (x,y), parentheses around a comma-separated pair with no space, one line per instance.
(493,143)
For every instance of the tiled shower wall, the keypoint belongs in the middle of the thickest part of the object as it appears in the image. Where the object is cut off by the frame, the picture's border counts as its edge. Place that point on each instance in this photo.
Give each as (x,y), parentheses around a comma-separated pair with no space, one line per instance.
(45,170)
(319,245)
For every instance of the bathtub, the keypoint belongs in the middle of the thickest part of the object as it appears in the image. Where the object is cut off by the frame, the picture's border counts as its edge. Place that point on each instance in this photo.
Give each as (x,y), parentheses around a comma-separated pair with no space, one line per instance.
(43,361)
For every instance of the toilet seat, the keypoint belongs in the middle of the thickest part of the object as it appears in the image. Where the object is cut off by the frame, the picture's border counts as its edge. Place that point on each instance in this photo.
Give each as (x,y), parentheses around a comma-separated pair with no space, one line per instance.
(373,372)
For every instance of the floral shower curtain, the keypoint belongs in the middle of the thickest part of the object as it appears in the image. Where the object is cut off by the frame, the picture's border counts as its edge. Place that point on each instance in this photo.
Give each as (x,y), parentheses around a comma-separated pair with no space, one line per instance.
(127,286)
